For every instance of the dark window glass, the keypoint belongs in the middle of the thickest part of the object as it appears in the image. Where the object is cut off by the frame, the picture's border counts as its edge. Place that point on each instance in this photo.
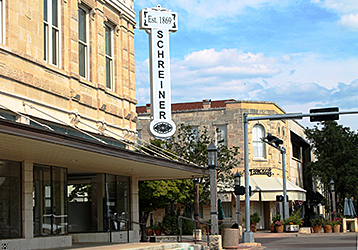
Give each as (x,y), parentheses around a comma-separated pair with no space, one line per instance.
(10,199)
(49,200)
(45,10)
(117,203)
(55,13)
(108,72)
(82,25)
(82,59)
(54,46)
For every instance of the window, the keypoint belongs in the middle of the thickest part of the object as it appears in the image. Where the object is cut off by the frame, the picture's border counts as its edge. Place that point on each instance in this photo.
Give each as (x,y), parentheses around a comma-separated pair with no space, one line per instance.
(296,151)
(221,135)
(117,201)
(109,57)
(51,31)
(83,42)
(227,208)
(49,200)
(259,147)
(10,200)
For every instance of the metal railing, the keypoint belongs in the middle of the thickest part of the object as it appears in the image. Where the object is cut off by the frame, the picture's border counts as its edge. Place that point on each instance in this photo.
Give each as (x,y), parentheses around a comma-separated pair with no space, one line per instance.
(116,219)
(180,237)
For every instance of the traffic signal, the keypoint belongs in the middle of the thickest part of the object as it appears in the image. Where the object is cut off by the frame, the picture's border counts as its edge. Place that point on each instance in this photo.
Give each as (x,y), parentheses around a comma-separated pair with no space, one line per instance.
(273,139)
(328,117)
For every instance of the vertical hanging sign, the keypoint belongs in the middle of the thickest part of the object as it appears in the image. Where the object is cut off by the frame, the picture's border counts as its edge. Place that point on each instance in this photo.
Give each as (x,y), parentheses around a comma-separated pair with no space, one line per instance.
(158,23)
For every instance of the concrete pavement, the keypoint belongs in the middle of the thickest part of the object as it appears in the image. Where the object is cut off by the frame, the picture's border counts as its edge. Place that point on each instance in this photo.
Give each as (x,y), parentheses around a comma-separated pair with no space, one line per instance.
(264,239)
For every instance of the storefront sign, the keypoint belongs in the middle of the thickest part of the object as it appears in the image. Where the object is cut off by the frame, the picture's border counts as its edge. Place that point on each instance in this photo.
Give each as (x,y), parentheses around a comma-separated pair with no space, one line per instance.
(261,171)
(158,22)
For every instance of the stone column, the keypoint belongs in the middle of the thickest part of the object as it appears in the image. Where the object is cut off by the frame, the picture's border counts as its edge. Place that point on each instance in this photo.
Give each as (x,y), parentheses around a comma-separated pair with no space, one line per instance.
(27,200)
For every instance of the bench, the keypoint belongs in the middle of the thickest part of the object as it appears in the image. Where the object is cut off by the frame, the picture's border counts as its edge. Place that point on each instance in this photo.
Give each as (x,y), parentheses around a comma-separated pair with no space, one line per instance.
(353,224)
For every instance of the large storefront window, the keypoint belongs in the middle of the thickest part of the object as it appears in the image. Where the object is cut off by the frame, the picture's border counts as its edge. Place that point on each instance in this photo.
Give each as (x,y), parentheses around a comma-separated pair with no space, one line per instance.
(50,200)
(10,199)
(117,202)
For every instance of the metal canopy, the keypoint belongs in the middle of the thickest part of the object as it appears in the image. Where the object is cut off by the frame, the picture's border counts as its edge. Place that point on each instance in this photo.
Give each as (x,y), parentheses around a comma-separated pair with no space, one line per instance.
(21,142)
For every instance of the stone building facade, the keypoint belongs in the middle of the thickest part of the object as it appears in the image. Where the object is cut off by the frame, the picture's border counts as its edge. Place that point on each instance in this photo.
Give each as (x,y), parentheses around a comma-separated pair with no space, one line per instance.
(68,123)
(224,121)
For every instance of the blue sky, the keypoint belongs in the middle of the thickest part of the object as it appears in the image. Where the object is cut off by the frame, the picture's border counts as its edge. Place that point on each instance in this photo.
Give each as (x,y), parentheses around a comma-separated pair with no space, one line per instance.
(300,54)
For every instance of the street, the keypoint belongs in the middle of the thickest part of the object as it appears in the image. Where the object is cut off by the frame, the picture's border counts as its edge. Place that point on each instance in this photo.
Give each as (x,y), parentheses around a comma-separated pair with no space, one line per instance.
(270,241)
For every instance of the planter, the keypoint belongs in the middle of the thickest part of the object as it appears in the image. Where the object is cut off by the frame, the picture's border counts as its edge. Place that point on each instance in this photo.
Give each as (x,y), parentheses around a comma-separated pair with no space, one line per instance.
(316,229)
(272,228)
(327,228)
(336,228)
(253,227)
(279,229)
(149,232)
(292,228)
(158,232)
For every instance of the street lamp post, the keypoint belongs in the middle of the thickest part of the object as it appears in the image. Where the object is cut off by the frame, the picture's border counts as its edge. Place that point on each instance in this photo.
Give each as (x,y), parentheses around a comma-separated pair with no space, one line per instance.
(237,178)
(212,164)
(333,194)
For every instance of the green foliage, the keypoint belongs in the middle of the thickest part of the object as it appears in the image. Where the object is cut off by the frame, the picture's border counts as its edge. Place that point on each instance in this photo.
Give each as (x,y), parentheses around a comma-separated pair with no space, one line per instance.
(170,223)
(255,218)
(294,219)
(317,221)
(275,218)
(336,151)
(192,145)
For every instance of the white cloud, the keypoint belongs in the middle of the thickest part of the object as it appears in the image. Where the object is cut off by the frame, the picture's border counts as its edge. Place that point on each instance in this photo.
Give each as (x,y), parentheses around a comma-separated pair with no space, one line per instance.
(228,63)
(347,10)
(350,21)
(339,6)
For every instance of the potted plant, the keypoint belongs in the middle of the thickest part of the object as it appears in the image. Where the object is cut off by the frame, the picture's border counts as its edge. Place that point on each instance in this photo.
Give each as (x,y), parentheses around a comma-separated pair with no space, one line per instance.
(254,219)
(327,226)
(293,222)
(337,222)
(157,229)
(275,218)
(149,231)
(279,226)
(317,224)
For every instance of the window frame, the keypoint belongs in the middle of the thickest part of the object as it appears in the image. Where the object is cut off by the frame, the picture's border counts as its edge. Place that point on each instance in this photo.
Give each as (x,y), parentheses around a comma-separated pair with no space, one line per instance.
(256,142)
(110,83)
(49,48)
(84,43)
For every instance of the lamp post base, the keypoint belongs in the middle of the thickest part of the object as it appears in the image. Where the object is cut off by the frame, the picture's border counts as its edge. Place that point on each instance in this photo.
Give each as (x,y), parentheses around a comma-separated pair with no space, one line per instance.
(248,237)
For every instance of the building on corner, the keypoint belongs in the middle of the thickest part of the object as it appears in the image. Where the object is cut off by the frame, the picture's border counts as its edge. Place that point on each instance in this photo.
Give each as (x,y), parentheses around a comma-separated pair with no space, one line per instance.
(68,125)
(224,120)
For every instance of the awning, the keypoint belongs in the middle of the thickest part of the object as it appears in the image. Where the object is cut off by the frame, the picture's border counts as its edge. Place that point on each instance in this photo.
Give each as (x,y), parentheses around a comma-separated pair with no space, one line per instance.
(23,142)
(266,188)
(314,197)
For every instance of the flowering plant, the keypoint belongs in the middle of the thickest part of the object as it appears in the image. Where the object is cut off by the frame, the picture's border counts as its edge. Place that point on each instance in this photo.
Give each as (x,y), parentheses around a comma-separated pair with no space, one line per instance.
(275,218)
(294,219)
(278,223)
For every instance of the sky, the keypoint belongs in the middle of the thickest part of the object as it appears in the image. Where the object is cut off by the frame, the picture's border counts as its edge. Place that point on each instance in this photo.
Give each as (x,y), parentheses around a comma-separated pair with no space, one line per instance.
(300,54)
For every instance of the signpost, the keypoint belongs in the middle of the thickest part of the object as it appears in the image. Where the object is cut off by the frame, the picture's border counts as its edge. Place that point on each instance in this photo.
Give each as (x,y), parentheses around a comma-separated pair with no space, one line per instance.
(158,22)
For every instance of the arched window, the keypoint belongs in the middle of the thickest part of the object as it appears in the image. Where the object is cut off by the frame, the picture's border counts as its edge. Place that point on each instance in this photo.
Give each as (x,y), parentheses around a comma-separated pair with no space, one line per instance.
(259,147)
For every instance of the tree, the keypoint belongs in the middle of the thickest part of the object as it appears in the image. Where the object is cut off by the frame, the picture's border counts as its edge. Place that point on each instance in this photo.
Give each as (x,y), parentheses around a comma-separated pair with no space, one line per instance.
(191,145)
(336,151)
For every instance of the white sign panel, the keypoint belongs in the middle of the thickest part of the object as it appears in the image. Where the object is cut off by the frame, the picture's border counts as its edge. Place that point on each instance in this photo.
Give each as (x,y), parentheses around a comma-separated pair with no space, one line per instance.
(150,18)
(159,22)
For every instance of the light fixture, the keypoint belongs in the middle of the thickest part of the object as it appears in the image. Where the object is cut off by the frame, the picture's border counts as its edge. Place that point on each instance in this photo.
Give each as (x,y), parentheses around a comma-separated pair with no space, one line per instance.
(212,155)
(332,185)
